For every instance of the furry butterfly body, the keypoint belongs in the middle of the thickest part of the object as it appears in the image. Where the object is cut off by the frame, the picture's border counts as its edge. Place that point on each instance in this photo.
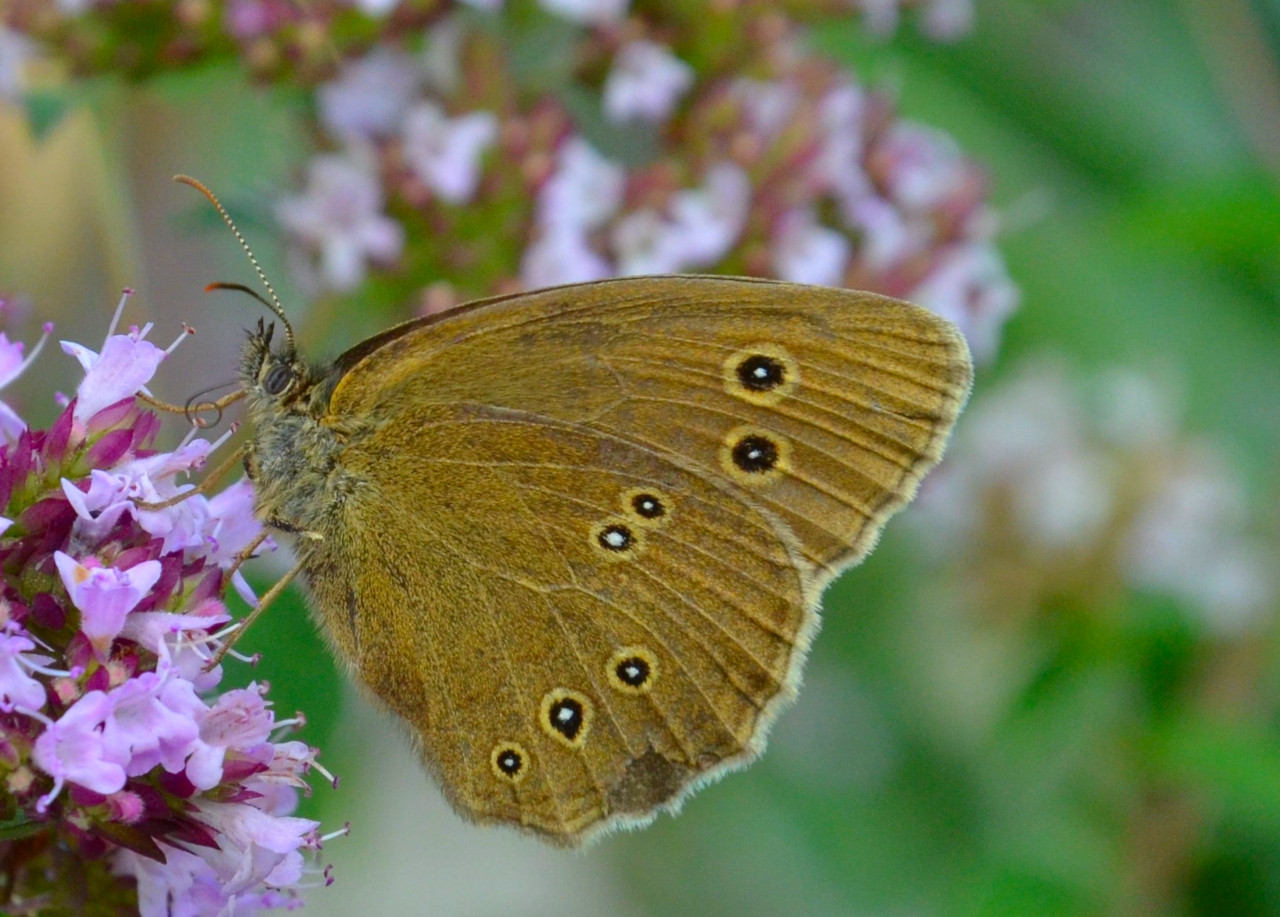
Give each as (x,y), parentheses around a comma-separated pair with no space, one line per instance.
(577,538)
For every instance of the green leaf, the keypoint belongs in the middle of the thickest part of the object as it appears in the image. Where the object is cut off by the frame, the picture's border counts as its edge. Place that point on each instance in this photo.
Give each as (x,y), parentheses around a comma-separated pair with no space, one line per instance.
(20,826)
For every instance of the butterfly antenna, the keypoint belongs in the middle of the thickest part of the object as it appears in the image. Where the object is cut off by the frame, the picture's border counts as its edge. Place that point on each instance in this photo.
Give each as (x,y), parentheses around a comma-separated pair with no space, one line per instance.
(274,304)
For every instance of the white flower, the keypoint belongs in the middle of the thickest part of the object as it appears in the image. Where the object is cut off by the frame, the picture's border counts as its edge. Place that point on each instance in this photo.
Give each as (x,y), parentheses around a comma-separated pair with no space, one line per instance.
(711,217)
(646,82)
(885,239)
(699,228)
(584,191)
(767,105)
(646,243)
(804,251)
(340,217)
(376,7)
(1188,540)
(923,165)
(15,51)
(971,287)
(947,20)
(593,12)
(445,152)
(371,94)
(561,254)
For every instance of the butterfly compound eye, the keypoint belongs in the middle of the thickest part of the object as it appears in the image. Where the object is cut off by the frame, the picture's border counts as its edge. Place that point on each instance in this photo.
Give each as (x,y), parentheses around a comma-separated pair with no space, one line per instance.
(278,379)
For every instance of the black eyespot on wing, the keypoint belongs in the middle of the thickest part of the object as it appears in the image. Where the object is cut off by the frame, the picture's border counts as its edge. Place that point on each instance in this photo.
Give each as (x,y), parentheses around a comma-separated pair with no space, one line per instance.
(615,537)
(632,671)
(755,454)
(278,378)
(566,716)
(509,761)
(648,506)
(761,373)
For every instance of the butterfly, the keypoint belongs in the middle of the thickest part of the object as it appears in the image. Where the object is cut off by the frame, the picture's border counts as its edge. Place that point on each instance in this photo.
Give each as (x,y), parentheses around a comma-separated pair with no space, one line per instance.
(577,538)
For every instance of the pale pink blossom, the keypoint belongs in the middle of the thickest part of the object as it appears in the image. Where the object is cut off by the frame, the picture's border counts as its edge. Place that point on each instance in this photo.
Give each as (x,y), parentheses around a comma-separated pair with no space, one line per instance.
(11,364)
(446,152)
(584,191)
(593,12)
(767,104)
(17,687)
(922,165)
(371,94)
(972,287)
(805,251)
(561,254)
(104,595)
(15,53)
(646,82)
(710,218)
(72,749)
(647,243)
(123,368)
(340,218)
(152,722)
(253,846)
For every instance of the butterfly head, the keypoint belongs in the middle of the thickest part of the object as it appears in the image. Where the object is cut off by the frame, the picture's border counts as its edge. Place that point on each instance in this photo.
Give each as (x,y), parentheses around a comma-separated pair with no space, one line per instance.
(275,377)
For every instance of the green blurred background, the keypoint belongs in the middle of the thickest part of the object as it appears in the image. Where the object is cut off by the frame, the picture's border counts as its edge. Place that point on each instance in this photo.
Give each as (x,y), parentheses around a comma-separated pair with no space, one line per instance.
(1092,752)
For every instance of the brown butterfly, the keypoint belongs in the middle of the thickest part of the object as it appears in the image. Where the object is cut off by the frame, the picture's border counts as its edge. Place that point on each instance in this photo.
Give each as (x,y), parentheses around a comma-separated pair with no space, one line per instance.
(577,538)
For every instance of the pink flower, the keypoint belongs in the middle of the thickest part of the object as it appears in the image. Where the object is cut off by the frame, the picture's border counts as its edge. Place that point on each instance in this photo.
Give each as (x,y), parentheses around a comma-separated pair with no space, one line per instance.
(445,152)
(922,165)
(646,82)
(12,365)
(72,749)
(710,219)
(584,191)
(972,288)
(562,254)
(104,595)
(254,846)
(371,95)
(340,217)
(646,243)
(231,524)
(152,722)
(804,251)
(239,720)
(126,364)
(17,687)
(11,425)
(594,12)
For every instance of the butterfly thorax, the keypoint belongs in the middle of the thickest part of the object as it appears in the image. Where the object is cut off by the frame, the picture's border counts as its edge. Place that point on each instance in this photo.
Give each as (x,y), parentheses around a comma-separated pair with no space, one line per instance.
(292,457)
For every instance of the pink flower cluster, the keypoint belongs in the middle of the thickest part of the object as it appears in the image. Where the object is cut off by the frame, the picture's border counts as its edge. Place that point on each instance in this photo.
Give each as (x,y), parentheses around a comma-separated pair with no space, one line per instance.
(1054,488)
(796,172)
(114,744)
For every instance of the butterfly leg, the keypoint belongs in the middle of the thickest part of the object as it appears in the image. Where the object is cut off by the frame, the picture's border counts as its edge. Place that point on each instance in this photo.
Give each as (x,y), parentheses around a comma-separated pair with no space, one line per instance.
(205,484)
(264,603)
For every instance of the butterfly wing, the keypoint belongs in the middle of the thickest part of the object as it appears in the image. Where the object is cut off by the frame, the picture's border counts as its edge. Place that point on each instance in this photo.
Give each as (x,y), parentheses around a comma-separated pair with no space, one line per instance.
(609,511)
